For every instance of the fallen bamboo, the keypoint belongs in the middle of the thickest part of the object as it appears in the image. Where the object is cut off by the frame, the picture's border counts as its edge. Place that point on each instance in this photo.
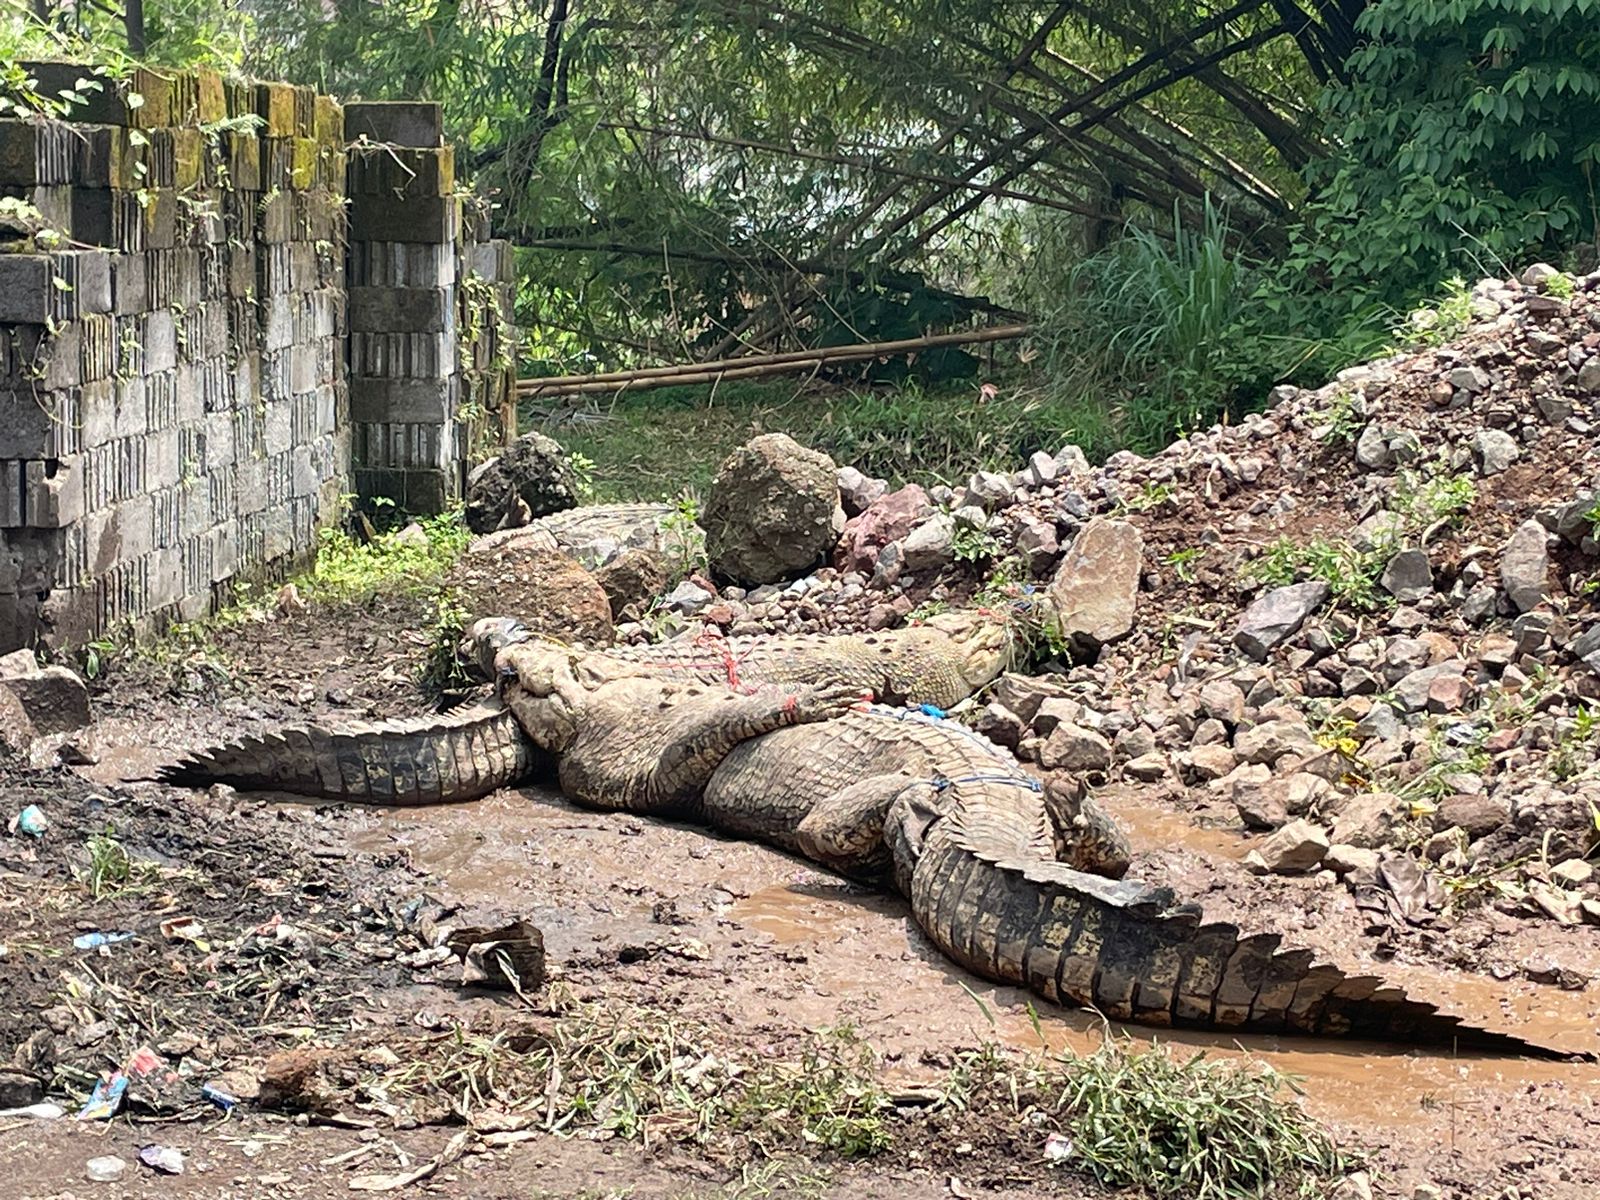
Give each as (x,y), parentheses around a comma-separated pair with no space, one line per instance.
(757,365)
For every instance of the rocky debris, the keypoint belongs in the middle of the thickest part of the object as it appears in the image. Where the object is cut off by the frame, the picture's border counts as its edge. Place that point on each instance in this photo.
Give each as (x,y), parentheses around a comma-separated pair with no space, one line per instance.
(550,593)
(530,478)
(1298,847)
(887,519)
(688,598)
(1525,565)
(1408,577)
(631,580)
(1278,616)
(16,730)
(1095,591)
(772,511)
(51,699)
(857,492)
(931,545)
(1073,748)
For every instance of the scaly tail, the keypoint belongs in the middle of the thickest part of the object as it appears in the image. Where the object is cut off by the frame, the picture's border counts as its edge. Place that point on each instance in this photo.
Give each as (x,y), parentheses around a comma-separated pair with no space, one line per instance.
(1130,952)
(460,755)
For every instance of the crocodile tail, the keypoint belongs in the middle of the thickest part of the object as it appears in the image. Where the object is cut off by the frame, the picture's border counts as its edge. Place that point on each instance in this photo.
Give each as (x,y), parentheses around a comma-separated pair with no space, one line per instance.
(1130,952)
(459,755)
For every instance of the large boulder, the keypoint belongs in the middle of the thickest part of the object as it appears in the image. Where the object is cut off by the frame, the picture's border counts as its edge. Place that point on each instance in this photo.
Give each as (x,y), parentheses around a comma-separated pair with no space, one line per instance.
(531,478)
(550,593)
(887,519)
(772,512)
(1096,589)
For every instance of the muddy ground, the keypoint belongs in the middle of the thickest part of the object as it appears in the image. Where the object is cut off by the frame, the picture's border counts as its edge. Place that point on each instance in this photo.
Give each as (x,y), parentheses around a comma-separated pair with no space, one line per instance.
(304,938)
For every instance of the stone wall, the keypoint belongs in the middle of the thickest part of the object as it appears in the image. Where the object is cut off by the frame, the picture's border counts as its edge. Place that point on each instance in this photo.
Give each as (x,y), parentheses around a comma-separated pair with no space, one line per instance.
(253,311)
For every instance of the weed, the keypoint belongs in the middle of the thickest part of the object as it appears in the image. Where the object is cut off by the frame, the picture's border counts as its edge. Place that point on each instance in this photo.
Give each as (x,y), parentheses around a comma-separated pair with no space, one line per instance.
(1351,574)
(441,669)
(682,539)
(1592,515)
(973,544)
(1425,501)
(1574,752)
(1442,323)
(928,608)
(1561,286)
(1146,498)
(1183,562)
(1192,1128)
(1343,418)
(349,571)
(111,870)
(583,469)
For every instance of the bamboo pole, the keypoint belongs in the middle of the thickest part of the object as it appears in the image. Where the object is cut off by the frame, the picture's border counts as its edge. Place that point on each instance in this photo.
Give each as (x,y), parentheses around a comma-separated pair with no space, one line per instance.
(756,366)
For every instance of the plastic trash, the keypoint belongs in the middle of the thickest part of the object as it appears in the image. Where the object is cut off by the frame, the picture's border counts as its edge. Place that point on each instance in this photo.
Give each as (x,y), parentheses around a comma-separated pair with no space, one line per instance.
(30,821)
(108,1168)
(107,1098)
(162,1158)
(219,1097)
(44,1111)
(93,941)
(1057,1148)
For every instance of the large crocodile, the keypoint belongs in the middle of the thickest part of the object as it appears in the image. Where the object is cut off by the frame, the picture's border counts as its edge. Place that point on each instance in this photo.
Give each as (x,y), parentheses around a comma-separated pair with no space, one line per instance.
(468,753)
(972,842)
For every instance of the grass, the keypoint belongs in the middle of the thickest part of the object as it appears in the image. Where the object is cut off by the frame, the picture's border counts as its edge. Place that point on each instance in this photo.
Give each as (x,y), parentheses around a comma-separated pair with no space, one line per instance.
(1189,1126)
(657,445)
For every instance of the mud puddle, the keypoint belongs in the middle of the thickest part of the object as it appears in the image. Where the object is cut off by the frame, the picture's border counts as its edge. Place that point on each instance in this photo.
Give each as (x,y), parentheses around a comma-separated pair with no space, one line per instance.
(783,938)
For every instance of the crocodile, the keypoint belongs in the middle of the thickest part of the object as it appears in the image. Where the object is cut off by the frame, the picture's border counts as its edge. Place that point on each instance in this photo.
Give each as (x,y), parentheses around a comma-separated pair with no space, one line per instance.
(938,662)
(459,755)
(970,839)
(481,748)
(593,533)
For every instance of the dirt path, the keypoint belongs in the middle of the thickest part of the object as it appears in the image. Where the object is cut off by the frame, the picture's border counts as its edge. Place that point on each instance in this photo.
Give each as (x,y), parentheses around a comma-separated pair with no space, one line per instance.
(732,936)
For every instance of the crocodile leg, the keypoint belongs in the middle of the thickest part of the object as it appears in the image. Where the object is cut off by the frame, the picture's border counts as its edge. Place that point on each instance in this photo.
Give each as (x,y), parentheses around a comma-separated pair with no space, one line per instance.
(845,831)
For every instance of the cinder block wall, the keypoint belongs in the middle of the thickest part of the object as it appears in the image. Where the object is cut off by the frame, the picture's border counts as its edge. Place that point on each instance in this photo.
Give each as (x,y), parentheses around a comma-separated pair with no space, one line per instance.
(255,313)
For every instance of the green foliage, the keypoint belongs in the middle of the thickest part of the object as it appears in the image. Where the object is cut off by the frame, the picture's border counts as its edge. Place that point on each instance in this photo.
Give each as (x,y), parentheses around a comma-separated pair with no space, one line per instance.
(1340,422)
(349,570)
(973,544)
(1443,320)
(1468,136)
(442,671)
(1183,562)
(1150,329)
(1351,574)
(1194,1128)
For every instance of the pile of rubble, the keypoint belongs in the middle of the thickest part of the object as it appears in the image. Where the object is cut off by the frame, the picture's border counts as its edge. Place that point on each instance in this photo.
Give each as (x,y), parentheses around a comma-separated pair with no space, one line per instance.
(1364,619)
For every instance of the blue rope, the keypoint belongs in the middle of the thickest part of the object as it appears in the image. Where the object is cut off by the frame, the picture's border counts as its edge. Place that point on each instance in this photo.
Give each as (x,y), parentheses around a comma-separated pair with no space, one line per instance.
(1033,785)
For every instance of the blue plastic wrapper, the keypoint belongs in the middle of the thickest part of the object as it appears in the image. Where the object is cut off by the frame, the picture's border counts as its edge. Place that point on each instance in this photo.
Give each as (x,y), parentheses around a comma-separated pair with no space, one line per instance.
(93,941)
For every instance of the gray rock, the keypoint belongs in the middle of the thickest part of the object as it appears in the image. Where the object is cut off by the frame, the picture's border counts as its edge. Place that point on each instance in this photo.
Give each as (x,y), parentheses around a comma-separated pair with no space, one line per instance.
(1042,469)
(1495,450)
(991,489)
(1380,724)
(1272,741)
(1000,725)
(1259,806)
(1072,461)
(1525,565)
(857,491)
(1298,847)
(53,699)
(1037,541)
(929,547)
(1222,700)
(1147,768)
(1346,860)
(1477,814)
(1411,692)
(1480,604)
(1470,379)
(686,599)
(1055,711)
(1408,577)
(1586,647)
(1275,617)
(16,729)
(1372,449)
(1076,749)
(1095,591)
(1366,819)
(1202,764)
(532,477)
(1024,695)
(889,565)
(1588,379)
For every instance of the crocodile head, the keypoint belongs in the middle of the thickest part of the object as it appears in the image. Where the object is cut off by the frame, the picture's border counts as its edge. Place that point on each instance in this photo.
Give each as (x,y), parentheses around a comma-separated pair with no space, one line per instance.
(483,641)
(983,641)
(540,686)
